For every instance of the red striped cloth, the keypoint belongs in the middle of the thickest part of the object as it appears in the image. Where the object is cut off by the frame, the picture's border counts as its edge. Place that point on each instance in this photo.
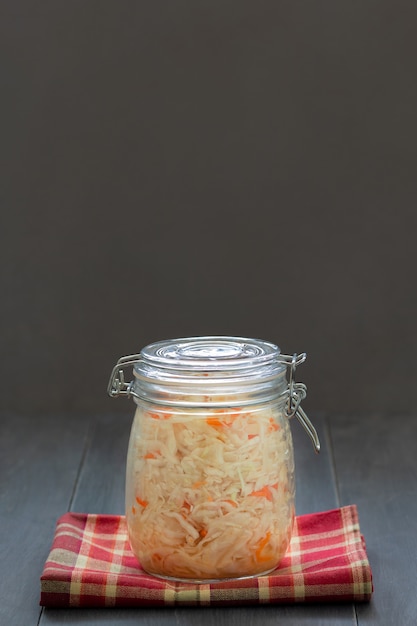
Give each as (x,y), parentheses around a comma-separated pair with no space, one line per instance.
(91,564)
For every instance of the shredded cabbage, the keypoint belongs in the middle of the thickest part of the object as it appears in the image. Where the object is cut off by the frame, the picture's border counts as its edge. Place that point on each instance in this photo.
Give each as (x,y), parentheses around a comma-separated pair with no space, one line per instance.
(210,492)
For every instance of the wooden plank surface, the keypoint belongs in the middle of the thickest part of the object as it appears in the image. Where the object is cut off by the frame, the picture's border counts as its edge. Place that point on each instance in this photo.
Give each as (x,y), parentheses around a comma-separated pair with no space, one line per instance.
(39,462)
(101,485)
(376,465)
(101,489)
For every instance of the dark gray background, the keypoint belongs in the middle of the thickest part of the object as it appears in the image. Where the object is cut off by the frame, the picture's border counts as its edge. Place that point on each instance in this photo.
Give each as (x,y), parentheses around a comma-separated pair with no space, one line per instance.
(181,167)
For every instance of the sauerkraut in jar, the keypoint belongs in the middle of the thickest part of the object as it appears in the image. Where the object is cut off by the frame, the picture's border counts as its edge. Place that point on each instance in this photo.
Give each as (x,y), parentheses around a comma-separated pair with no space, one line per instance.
(210,469)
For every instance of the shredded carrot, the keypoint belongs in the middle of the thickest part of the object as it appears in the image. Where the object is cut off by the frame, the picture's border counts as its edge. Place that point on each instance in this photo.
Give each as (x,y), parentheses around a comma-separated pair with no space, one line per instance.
(263,493)
(141,502)
(215,422)
(273,425)
(198,484)
(232,502)
(133,510)
(261,545)
(150,455)
(185,509)
(227,419)
(159,416)
(203,532)
(187,506)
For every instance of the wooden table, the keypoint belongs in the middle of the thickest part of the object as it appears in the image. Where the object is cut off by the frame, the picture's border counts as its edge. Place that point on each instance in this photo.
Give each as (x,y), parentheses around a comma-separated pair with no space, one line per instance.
(51,464)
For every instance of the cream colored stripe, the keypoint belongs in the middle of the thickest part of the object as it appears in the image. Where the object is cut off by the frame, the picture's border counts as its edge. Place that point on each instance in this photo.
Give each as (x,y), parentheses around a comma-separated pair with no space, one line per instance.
(89,536)
(204,594)
(357,576)
(340,532)
(263,586)
(87,532)
(80,564)
(169,595)
(115,567)
(121,539)
(298,578)
(342,544)
(95,564)
(304,567)
(187,595)
(62,556)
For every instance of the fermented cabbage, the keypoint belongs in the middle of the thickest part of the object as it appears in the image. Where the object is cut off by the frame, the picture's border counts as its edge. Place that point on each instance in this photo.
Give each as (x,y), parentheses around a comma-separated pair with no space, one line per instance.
(210,492)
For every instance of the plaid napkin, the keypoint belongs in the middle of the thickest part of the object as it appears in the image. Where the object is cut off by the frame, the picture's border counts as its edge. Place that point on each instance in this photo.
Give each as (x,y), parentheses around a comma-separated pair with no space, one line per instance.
(91,564)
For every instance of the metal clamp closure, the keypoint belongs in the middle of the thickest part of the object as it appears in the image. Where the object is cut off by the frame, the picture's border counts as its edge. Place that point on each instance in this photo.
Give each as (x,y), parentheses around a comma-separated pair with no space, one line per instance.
(117,385)
(296,394)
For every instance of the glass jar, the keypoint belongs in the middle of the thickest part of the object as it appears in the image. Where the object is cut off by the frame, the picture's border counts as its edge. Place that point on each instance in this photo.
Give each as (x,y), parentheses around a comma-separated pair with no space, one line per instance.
(210,468)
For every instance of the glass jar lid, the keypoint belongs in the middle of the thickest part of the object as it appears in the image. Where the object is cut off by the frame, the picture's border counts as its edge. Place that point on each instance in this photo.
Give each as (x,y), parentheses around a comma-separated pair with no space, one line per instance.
(210,354)
(221,371)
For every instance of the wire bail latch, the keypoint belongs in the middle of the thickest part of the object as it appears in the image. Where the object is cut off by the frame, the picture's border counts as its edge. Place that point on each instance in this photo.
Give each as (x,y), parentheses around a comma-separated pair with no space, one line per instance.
(117,385)
(296,394)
